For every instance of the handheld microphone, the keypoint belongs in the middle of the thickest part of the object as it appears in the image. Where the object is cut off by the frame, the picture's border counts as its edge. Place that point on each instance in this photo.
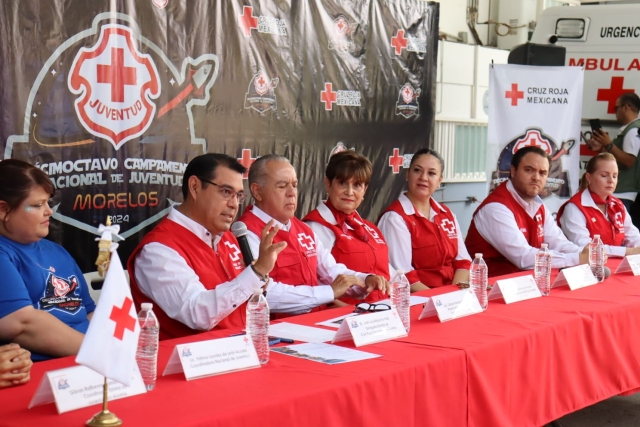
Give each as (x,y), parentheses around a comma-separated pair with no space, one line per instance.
(239,229)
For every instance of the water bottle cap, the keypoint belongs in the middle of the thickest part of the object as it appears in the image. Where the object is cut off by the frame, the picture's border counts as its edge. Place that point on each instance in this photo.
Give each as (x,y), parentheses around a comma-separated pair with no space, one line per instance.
(399,271)
(544,246)
(596,236)
(147,306)
(478,255)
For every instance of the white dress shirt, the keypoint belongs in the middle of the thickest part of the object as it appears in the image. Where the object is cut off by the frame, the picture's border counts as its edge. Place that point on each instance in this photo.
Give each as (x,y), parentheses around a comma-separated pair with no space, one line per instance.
(398,237)
(165,277)
(574,225)
(284,298)
(631,145)
(497,225)
(326,236)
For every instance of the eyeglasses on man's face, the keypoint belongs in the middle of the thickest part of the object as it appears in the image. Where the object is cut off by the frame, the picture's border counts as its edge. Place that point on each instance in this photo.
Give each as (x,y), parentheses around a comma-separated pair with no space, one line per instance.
(365,307)
(615,109)
(227,193)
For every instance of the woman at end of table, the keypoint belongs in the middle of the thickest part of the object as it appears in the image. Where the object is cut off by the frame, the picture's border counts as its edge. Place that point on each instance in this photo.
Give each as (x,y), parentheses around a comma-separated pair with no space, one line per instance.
(45,305)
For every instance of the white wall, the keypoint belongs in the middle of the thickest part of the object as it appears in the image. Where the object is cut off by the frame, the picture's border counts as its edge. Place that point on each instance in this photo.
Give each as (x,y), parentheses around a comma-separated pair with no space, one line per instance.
(453,19)
(463,78)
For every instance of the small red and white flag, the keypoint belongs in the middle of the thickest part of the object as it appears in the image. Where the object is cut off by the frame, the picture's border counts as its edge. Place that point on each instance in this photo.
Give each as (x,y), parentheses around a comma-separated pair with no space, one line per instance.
(110,345)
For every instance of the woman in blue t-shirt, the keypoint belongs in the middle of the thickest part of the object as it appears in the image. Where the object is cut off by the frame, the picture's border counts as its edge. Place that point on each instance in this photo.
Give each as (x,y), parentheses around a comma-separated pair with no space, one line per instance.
(45,305)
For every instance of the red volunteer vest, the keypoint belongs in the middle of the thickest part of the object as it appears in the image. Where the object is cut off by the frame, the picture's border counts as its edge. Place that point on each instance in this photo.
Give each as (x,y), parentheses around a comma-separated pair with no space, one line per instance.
(297,264)
(611,231)
(365,257)
(532,228)
(434,245)
(212,269)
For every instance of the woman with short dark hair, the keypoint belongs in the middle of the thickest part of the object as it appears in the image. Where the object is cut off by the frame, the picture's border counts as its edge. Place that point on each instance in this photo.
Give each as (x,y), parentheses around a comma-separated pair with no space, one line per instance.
(45,304)
(354,241)
(423,235)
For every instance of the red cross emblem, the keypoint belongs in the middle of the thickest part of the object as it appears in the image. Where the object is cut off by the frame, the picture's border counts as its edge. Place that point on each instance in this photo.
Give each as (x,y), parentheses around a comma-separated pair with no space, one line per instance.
(117,74)
(396,160)
(399,41)
(328,96)
(115,85)
(306,242)
(612,94)
(448,226)
(235,251)
(247,21)
(514,94)
(123,319)
(617,218)
(246,160)
(533,138)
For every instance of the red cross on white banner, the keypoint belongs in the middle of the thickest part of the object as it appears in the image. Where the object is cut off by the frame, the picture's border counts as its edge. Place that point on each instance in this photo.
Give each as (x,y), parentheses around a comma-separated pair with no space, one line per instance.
(514,94)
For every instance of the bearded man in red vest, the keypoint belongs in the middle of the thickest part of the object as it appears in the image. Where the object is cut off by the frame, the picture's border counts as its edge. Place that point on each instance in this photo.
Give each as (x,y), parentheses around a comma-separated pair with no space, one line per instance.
(190,265)
(512,222)
(306,277)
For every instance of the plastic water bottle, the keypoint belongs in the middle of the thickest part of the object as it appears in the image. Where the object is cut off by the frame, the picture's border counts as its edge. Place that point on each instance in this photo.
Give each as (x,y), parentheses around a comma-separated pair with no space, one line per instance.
(596,257)
(258,325)
(542,269)
(147,354)
(479,279)
(401,297)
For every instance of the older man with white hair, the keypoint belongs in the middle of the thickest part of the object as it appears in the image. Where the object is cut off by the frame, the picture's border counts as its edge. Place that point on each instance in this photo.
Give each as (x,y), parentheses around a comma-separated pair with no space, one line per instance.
(306,277)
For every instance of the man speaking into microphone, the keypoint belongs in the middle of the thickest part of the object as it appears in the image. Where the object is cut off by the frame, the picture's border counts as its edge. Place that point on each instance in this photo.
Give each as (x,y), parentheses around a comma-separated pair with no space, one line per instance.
(190,265)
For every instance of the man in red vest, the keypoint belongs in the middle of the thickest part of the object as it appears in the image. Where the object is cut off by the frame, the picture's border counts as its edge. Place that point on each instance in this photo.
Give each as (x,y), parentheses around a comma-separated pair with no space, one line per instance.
(306,277)
(190,265)
(512,222)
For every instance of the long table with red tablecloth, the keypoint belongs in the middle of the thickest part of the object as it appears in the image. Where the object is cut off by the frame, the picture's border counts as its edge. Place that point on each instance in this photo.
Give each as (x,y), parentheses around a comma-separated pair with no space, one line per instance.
(517,365)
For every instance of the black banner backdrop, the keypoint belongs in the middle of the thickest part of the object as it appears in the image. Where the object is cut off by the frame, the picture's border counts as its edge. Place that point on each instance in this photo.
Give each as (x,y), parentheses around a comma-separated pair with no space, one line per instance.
(113,98)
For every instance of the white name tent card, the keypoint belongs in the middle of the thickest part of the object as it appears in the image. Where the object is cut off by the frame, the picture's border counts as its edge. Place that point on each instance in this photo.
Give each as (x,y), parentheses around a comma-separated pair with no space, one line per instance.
(452,305)
(576,277)
(630,263)
(300,332)
(78,387)
(213,357)
(371,328)
(515,289)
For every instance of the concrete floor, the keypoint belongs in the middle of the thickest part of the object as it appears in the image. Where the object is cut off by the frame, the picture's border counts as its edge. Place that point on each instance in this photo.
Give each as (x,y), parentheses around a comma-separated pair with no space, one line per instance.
(615,412)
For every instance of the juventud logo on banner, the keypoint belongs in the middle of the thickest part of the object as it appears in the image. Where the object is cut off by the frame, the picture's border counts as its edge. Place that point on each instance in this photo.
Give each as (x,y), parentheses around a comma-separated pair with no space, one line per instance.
(116,84)
(110,119)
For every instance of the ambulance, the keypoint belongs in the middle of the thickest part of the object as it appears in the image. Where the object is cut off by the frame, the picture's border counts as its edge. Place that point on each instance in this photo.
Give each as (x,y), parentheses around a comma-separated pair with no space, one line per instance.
(605,40)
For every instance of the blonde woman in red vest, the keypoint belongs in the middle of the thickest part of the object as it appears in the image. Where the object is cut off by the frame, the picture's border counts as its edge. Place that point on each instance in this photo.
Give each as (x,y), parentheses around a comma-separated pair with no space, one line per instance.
(423,235)
(512,222)
(594,210)
(190,265)
(354,241)
(306,277)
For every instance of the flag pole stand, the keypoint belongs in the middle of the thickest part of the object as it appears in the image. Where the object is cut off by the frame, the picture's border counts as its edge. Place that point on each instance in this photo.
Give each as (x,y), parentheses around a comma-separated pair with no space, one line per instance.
(104,417)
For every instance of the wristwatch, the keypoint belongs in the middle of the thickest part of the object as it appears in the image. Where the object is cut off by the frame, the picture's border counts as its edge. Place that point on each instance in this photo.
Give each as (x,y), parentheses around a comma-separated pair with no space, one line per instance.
(609,147)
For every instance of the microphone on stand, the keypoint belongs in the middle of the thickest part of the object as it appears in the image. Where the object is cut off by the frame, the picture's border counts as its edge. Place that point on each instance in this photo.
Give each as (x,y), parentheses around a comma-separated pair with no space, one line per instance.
(607,272)
(239,229)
